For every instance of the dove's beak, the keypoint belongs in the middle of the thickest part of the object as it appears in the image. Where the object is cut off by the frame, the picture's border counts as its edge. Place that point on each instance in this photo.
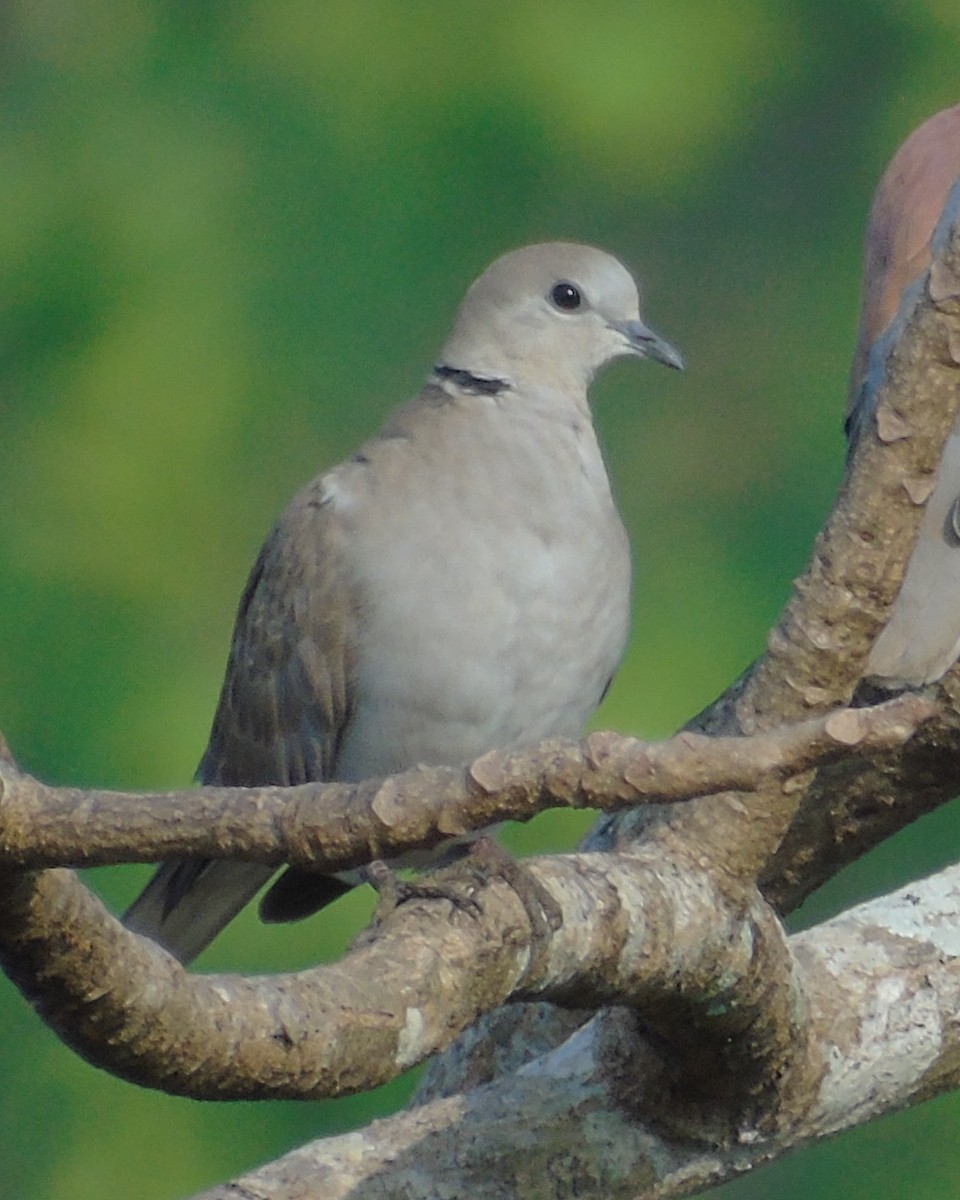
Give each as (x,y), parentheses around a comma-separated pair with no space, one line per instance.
(643,341)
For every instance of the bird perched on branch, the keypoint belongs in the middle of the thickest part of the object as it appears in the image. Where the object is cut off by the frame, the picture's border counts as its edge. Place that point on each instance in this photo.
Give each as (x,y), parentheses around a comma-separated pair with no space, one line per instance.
(461,583)
(916,203)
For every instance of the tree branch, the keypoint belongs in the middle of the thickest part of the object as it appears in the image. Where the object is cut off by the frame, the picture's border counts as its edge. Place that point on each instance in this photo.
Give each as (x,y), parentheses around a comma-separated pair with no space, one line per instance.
(427,973)
(881,988)
(422,979)
(333,826)
(816,652)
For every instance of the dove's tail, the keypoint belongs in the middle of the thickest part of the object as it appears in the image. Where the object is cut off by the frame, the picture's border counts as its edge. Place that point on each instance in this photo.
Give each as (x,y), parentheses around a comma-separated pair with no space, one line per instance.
(188,902)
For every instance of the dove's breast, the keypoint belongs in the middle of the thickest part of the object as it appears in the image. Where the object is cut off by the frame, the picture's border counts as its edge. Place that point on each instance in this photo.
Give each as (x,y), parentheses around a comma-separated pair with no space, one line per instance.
(498,606)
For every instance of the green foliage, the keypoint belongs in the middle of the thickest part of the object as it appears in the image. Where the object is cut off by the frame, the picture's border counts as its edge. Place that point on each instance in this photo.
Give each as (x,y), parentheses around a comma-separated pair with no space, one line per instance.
(232,236)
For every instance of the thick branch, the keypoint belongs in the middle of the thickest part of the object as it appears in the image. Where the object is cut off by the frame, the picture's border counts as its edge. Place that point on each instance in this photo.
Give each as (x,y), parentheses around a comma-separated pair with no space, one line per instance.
(635,929)
(422,980)
(881,985)
(816,652)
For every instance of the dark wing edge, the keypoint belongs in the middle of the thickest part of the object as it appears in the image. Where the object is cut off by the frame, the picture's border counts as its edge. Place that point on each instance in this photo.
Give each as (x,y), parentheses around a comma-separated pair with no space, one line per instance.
(284,705)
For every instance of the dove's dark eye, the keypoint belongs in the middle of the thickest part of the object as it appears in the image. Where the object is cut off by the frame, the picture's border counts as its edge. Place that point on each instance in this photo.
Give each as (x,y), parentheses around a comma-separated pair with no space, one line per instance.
(566,297)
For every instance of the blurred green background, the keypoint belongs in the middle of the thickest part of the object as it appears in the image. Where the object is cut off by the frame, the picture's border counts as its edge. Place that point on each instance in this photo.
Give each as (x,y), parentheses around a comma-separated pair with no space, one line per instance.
(232,235)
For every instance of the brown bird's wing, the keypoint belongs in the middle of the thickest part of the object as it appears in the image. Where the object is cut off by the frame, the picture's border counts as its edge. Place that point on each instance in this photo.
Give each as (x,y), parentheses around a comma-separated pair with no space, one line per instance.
(283,708)
(907,207)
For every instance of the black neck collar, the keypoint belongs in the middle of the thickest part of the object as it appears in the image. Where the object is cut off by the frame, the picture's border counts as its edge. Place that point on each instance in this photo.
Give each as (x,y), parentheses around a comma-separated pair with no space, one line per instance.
(468,382)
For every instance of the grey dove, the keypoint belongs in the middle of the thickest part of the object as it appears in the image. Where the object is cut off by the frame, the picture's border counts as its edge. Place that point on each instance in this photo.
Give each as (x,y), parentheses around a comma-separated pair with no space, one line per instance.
(461,583)
(916,202)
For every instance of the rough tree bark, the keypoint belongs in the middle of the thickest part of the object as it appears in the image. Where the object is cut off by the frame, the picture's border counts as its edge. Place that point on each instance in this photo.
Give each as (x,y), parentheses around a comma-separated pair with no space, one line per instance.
(663,1033)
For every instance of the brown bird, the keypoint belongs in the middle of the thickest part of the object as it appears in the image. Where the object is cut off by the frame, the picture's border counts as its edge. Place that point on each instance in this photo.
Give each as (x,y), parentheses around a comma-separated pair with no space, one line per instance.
(915,204)
(461,583)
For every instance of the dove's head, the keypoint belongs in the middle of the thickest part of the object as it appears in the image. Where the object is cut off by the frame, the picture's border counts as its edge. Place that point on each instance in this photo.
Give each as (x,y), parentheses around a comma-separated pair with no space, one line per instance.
(551,315)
